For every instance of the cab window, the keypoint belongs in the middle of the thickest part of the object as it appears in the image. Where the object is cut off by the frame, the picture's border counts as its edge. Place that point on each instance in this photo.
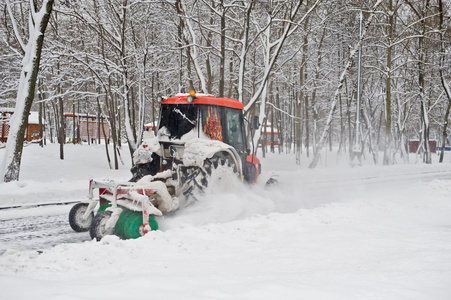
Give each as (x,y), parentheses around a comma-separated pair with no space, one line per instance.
(211,122)
(234,126)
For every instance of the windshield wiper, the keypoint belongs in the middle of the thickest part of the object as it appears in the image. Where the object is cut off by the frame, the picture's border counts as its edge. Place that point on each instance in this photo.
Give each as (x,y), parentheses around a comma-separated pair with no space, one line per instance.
(184,116)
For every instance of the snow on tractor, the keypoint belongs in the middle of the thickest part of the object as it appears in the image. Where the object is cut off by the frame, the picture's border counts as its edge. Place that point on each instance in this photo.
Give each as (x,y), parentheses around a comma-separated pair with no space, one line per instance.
(200,141)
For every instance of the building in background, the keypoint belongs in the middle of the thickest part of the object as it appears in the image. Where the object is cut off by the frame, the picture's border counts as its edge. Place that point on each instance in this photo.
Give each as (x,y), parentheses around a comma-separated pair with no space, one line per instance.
(87,127)
(414,145)
(32,131)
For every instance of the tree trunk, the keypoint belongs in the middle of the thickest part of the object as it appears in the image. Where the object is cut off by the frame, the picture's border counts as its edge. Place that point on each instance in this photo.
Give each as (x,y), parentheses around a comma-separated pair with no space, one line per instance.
(272,130)
(10,167)
(388,152)
(244,50)
(46,126)
(41,135)
(443,81)
(62,127)
(50,122)
(87,126)
(74,125)
(222,55)
(78,120)
(104,133)
(302,95)
(280,124)
(424,108)
(98,125)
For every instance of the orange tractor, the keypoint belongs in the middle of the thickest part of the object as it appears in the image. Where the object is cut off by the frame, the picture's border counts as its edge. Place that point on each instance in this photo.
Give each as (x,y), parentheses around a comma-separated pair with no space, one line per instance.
(200,141)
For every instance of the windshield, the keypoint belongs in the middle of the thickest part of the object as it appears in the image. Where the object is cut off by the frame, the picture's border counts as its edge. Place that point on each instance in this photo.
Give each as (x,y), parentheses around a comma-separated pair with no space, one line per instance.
(177,120)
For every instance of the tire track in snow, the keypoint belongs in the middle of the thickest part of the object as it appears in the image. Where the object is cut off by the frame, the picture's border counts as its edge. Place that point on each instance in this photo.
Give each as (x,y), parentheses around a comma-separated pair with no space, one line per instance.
(34,229)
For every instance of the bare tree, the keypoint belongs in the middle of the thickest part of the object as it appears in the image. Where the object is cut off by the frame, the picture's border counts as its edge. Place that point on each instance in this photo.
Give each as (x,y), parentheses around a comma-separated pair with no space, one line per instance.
(343,75)
(38,20)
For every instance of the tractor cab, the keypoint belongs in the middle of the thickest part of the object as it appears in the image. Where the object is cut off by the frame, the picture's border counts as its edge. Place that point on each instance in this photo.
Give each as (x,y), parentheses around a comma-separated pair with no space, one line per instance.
(182,122)
(185,117)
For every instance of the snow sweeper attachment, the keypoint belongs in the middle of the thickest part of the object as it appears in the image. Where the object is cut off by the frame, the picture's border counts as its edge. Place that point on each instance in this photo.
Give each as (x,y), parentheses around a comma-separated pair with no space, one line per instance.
(124,209)
(200,143)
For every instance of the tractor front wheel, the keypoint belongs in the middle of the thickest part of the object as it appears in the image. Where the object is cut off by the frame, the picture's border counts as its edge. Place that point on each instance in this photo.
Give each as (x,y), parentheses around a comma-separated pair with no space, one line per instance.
(76,217)
(98,227)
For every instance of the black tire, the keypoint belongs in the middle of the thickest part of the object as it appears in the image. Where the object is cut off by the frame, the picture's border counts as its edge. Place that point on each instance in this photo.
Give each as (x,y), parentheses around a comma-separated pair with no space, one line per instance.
(76,220)
(213,169)
(98,230)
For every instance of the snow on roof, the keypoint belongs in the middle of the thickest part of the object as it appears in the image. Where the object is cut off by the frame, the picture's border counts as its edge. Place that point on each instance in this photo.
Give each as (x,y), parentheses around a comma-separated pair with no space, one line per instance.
(6,109)
(82,115)
(33,118)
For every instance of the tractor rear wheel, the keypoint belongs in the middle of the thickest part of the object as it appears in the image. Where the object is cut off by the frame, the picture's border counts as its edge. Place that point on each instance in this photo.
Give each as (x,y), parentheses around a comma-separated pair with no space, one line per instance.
(76,217)
(218,173)
(98,227)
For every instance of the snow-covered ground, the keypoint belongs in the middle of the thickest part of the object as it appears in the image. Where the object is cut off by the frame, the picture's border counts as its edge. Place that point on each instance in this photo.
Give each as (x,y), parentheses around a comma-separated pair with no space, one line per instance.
(335,232)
